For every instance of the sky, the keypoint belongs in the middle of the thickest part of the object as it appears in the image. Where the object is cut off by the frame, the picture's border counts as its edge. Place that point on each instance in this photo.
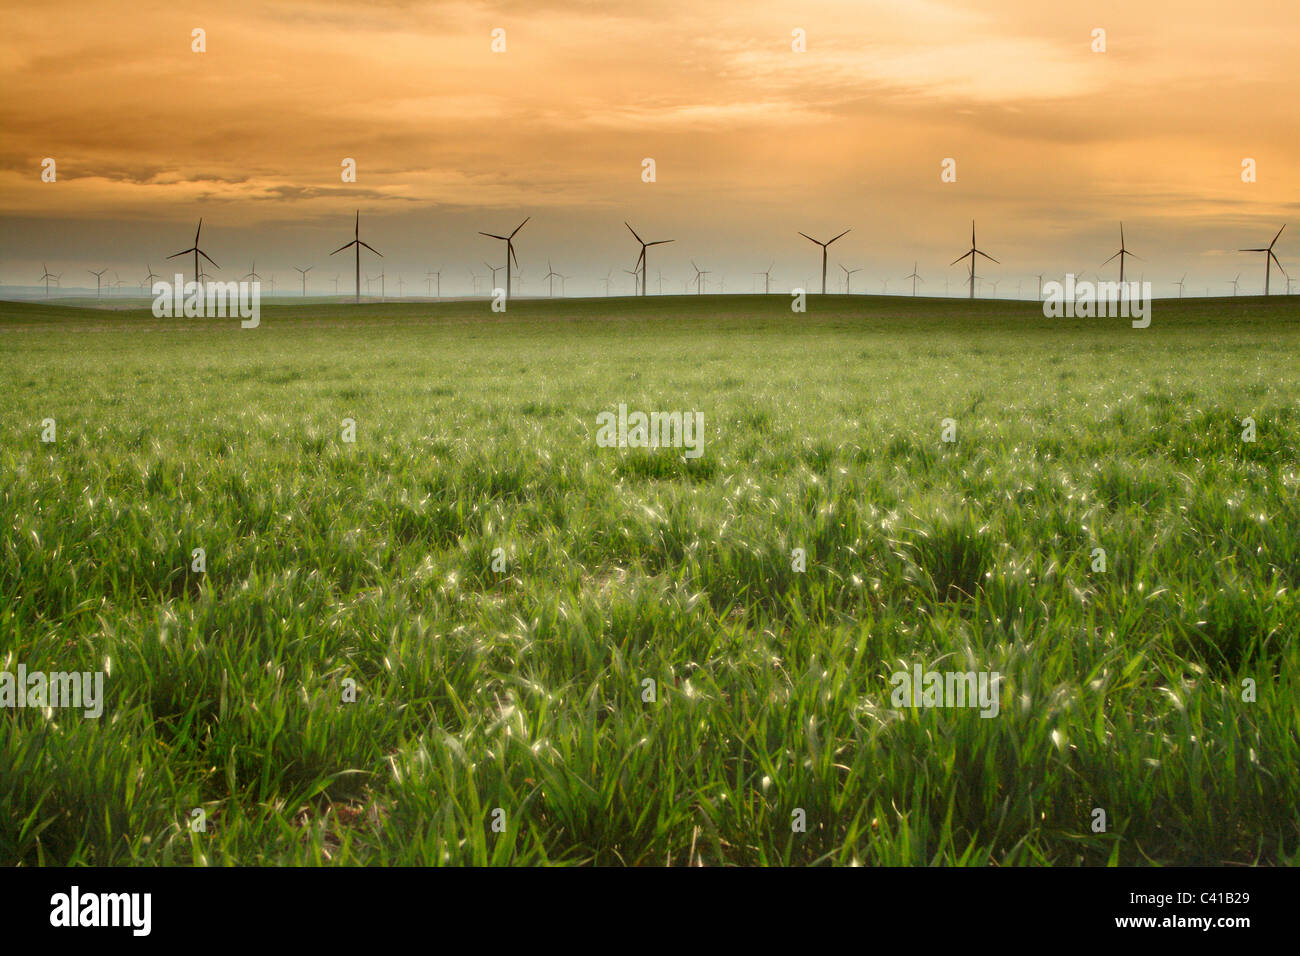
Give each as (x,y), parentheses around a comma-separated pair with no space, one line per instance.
(753,141)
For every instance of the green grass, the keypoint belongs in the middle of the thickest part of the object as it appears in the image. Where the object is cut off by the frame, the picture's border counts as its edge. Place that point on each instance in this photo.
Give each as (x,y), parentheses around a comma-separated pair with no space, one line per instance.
(522,690)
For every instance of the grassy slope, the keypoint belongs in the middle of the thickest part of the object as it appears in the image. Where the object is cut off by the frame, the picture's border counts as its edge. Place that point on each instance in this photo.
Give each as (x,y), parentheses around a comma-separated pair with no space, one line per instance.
(523,690)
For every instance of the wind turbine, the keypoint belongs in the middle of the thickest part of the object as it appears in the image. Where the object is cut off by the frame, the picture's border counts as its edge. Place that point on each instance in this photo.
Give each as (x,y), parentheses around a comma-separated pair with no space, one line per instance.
(1040,287)
(1179,283)
(1234,283)
(1123,251)
(767,278)
(149,276)
(848,279)
(995,287)
(495,270)
(549,278)
(510,252)
(358,243)
(97,276)
(197,252)
(252,273)
(641,260)
(304,278)
(436,274)
(973,252)
(915,277)
(335,280)
(700,274)
(606,280)
(636,279)
(1269,258)
(824,246)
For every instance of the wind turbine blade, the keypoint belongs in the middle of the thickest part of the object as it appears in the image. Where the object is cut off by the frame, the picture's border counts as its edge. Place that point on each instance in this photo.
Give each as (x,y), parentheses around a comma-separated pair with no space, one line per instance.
(660,242)
(809,238)
(633,231)
(520,226)
(513,257)
(960,258)
(493,235)
(1255,250)
(183,252)
(840,236)
(208,257)
(372,249)
(1108,260)
(986,256)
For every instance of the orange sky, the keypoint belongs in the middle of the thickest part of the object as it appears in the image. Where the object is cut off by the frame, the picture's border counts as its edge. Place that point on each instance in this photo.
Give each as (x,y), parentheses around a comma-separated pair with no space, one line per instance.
(1054,143)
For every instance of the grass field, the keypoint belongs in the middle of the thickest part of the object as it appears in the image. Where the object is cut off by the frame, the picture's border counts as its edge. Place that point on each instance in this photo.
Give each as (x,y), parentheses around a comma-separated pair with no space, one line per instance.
(524,689)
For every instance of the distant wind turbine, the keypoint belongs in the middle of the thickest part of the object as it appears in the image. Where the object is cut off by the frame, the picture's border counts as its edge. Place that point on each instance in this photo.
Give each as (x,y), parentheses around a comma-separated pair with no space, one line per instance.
(825,246)
(549,278)
(357,243)
(767,278)
(1269,258)
(197,252)
(97,276)
(700,274)
(304,278)
(641,259)
(1234,283)
(972,253)
(915,277)
(510,252)
(636,280)
(149,276)
(1123,251)
(848,279)
(1179,283)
